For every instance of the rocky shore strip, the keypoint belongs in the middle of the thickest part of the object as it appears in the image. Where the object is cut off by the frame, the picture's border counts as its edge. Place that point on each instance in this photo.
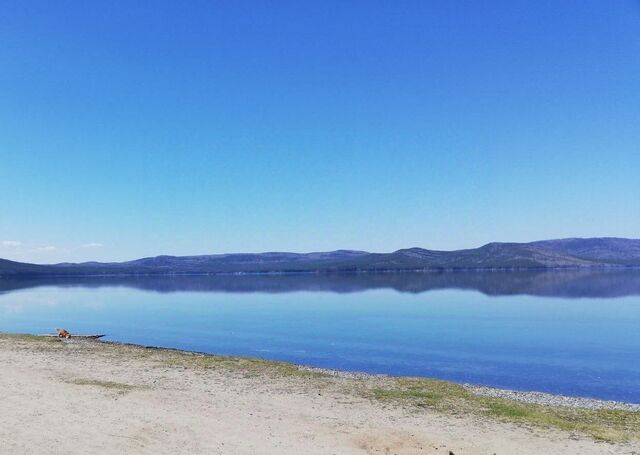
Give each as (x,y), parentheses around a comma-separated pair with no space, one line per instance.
(542,398)
(549,399)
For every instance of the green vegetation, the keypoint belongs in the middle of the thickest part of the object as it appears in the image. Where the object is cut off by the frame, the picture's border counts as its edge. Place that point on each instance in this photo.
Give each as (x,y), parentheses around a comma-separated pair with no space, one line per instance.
(109,385)
(248,366)
(421,392)
(605,425)
(27,338)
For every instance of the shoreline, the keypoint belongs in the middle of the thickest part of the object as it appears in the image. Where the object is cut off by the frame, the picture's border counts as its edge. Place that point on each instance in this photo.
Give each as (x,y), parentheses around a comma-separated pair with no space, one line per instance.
(107,397)
(480,390)
(321,272)
(525,396)
(552,399)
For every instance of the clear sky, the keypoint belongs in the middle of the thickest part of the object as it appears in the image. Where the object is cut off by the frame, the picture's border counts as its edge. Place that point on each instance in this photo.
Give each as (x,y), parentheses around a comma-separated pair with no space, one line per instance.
(131,128)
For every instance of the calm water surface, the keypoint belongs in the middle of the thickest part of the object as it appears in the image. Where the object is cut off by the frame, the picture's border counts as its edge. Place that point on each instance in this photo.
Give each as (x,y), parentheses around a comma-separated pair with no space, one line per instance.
(569,333)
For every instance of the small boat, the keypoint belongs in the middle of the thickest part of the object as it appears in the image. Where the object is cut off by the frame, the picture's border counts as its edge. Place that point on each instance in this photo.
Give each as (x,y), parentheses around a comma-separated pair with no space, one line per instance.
(80,337)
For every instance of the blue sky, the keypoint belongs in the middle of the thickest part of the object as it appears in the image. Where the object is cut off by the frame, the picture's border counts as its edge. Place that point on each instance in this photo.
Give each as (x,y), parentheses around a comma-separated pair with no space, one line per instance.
(132,128)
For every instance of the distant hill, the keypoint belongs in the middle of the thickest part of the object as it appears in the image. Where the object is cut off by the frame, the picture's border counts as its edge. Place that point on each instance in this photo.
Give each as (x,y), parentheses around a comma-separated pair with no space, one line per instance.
(19,268)
(546,254)
(610,250)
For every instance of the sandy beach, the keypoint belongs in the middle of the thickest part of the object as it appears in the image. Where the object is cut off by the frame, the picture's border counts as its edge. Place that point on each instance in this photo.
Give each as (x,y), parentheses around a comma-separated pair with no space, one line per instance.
(77,397)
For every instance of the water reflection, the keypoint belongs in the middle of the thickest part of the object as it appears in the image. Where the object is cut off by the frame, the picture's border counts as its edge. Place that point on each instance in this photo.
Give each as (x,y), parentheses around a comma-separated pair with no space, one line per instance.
(567,284)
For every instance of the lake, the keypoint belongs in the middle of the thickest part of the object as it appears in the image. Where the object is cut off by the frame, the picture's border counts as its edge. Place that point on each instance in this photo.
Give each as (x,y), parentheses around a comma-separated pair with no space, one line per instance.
(573,333)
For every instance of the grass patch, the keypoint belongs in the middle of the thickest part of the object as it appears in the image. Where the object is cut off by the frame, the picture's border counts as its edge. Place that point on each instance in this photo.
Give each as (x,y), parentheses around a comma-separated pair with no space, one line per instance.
(428,393)
(27,338)
(108,385)
(248,366)
(604,425)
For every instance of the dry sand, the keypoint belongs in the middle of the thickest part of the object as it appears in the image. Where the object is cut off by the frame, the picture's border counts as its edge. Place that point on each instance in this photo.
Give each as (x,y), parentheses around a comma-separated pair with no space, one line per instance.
(94,398)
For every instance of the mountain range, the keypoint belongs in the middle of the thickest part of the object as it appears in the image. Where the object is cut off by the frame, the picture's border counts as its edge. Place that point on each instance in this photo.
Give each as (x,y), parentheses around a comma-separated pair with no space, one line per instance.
(607,252)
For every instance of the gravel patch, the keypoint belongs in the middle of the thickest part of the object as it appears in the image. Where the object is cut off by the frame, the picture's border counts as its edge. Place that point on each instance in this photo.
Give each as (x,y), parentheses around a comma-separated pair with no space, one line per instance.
(340,373)
(549,399)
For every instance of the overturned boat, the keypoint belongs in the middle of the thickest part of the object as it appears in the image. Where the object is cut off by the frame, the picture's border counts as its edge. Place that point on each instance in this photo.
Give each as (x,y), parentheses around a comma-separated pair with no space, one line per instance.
(75,337)
(65,334)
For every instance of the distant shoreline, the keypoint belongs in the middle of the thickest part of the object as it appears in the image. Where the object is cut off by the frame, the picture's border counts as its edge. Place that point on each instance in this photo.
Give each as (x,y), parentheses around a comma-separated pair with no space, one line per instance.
(329,272)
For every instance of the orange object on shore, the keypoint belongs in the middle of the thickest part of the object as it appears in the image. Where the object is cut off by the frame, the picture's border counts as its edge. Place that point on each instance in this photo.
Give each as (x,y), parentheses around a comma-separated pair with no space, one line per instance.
(62,333)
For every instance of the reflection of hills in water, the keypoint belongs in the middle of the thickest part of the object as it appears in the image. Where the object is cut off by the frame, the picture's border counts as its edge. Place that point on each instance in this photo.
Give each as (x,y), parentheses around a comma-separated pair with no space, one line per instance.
(568,284)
